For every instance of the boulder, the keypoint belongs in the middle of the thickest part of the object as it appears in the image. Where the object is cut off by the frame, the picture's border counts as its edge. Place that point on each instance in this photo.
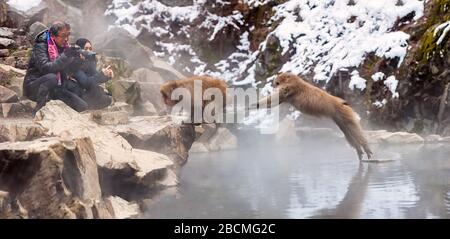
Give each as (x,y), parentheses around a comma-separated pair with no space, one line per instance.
(22,109)
(57,10)
(6,32)
(118,42)
(385,137)
(199,147)
(146,75)
(7,95)
(123,209)
(433,138)
(445,140)
(23,19)
(124,91)
(215,139)
(145,109)
(160,134)
(150,101)
(115,156)
(109,118)
(149,92)
(51,177)
(120,106)
(223,139)
(13,130)
(12,70)
(22,53)
(165,69)
(7,43)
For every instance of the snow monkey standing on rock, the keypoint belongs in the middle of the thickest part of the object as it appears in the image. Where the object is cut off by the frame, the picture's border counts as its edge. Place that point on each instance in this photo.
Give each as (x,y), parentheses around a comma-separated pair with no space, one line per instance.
(212,86)
(316,102)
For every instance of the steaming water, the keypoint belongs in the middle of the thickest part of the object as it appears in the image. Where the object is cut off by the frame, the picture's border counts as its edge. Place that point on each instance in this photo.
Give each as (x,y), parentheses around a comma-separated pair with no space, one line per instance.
(311,180)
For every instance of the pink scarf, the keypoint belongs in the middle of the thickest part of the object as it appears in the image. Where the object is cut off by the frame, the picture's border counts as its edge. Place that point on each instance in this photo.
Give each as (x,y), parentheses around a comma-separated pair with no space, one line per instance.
(53,53)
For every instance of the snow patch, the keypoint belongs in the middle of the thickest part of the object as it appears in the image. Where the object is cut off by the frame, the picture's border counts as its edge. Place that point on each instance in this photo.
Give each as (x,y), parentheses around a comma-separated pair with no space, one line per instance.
(357,81)
(23,5)
(392,84)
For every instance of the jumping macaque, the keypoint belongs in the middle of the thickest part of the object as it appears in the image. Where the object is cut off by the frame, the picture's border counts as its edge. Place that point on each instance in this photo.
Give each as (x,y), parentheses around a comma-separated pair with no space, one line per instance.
(218,87)
(314,101)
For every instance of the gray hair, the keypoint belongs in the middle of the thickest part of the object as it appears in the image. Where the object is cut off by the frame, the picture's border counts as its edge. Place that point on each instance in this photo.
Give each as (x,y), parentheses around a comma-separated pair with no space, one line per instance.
(57,26)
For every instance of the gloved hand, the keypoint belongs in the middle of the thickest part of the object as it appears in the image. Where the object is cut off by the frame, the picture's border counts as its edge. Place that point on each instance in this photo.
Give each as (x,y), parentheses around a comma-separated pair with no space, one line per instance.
(72,52)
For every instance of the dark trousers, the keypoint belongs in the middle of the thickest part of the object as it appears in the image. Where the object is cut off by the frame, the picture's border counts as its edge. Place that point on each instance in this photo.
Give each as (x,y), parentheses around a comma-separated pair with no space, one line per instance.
(46,88)
(90,91)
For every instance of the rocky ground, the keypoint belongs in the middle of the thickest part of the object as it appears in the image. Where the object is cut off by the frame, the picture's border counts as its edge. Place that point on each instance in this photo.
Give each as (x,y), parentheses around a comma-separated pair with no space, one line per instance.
(107,163)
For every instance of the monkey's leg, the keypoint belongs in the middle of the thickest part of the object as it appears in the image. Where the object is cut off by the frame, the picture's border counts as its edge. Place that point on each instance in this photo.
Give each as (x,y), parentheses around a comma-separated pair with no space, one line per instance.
(345,119)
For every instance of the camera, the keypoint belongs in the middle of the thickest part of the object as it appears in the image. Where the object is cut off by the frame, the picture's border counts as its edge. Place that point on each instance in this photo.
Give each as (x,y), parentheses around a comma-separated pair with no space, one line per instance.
(88,55)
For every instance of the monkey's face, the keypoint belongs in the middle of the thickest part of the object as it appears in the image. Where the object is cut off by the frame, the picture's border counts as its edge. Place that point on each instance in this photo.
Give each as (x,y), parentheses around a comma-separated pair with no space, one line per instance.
(284,79)
(166,92)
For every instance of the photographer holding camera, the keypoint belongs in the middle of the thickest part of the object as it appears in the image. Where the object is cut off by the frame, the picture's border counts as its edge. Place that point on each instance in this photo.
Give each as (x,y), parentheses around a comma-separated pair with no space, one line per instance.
(49,62)
(86,78)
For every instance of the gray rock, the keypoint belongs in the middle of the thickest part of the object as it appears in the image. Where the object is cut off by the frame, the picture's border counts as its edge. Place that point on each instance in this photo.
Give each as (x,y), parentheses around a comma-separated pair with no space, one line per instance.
(14,130)
(10,61)
(384,137)
(22,109)
(7,43)
(146,75)
(7,95)
(165,69)
(117,42)
(146,109)
(150,92)
(123,209)
(120,106)
(6,32)
(160,134)
(58,178)
(109,118)
(214,139)
(433,138)
(12,70)
(126,91)
(115,156)
(22,20)
(223,139)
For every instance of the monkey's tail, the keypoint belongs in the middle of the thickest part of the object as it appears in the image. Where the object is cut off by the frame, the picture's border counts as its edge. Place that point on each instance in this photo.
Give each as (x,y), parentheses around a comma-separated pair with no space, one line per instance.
(346,120)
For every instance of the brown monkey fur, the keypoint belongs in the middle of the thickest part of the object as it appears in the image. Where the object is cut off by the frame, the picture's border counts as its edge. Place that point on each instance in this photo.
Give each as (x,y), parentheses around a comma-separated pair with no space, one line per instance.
(188,83)
(317,102)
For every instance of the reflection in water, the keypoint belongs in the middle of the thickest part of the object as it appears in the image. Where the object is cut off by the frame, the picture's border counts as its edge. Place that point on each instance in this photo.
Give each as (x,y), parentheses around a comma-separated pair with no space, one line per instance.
(311,182)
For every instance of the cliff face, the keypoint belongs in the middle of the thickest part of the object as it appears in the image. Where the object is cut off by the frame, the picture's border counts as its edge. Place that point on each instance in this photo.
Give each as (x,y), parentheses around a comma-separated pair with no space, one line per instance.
(424,74)
(387,58)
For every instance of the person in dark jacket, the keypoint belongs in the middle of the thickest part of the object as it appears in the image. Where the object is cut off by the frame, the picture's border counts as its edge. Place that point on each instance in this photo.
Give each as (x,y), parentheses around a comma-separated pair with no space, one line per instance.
(47,67)
(87,79)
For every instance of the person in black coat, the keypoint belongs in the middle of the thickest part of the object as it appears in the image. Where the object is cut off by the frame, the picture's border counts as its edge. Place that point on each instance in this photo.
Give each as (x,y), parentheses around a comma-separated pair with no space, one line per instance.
(47,68)
(86,78)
